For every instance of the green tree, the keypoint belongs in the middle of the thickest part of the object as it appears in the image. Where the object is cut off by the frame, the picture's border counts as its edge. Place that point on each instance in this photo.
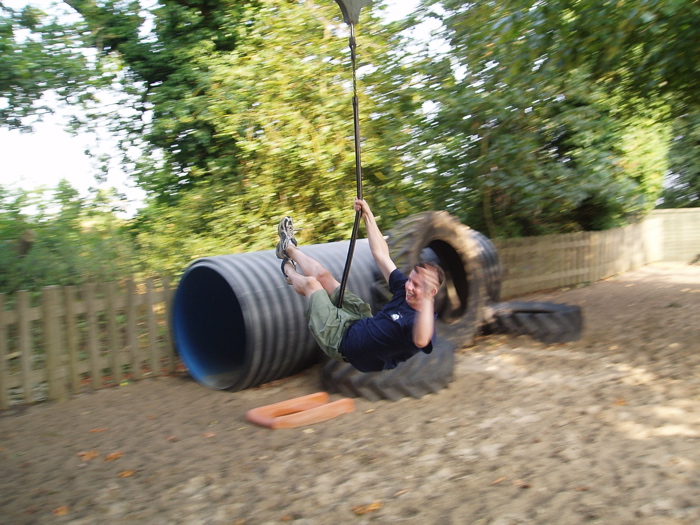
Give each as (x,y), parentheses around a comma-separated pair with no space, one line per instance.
(39,54)
(683,185)
(282,101)
(644,49)
(231,114)
(55,237)
(525,148)
(534,118)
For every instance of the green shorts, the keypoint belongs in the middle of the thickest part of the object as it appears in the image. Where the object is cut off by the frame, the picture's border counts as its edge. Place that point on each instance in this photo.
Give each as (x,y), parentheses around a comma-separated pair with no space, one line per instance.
(328,323)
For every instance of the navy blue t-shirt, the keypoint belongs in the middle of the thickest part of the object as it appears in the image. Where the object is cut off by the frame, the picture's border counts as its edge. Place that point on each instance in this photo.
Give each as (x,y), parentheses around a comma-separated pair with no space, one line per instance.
(383,341)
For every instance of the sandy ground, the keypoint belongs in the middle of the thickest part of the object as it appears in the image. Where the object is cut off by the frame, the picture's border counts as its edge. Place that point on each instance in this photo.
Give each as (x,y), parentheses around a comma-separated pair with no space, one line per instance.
(602,430)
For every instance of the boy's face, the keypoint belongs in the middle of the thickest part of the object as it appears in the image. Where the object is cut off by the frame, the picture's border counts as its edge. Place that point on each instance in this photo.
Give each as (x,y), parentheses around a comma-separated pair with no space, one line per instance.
(419,285)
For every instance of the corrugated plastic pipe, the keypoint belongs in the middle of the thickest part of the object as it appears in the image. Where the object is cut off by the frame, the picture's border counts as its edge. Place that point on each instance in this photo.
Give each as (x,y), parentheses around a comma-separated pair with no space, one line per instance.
(237,324)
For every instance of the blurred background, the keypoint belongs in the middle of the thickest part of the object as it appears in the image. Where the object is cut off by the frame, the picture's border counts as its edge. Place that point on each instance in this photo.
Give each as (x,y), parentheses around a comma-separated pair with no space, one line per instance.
(137,136)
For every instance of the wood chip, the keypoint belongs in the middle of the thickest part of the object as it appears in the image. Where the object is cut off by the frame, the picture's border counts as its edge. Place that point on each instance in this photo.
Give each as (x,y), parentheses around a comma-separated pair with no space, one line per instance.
(361,510)
(113,456)
(61,511)
(87,456)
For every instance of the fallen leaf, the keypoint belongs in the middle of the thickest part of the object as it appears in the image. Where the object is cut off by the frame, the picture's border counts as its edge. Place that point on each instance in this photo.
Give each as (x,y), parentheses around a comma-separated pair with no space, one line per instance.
(87,456)
(113,456)
(620,402)
(151,416)
(172,439)
(499,480)
(361,510)
(95,430)
(126,473)
(209,434)
(400,492)
(582,489)
(61,511)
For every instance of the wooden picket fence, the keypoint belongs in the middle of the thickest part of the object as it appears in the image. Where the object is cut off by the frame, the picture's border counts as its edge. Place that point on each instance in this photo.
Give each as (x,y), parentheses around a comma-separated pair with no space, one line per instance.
(533,264)
(68,340)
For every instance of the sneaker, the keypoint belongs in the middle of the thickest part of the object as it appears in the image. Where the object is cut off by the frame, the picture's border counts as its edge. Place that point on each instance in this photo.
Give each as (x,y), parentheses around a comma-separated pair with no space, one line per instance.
(286,233)
(284,262)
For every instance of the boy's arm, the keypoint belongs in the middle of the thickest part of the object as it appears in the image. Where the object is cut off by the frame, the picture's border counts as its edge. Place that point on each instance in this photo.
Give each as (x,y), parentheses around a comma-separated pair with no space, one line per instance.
(377,243)
(424,323)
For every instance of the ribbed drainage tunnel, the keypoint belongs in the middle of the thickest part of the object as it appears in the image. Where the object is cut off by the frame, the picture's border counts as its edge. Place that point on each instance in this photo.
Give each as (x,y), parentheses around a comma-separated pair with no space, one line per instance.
(237,324)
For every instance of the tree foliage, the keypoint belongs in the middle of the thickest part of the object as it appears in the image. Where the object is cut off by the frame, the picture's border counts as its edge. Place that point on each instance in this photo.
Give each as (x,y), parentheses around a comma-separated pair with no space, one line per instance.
(644,48)
(525,148)
(55,237)
(38,54)
(530,118)
(683,185)
(244,113)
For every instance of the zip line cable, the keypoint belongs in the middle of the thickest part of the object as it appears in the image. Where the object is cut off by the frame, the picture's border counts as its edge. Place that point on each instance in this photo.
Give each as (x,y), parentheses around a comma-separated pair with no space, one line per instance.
(358,166)
(351,15)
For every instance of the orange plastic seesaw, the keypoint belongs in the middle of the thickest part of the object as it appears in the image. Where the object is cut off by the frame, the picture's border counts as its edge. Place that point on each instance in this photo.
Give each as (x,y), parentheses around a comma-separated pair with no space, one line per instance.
(305,410)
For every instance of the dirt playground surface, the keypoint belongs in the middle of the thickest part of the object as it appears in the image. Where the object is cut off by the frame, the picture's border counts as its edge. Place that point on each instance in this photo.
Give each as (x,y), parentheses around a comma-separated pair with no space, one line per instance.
(602,430)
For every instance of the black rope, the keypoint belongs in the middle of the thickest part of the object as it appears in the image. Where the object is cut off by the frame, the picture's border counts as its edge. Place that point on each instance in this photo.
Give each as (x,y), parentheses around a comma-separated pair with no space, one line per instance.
(358,166)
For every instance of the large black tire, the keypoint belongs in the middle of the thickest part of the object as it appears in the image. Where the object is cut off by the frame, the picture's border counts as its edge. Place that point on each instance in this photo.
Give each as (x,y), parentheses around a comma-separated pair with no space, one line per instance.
(440,237)
(490,265)
(422,374)
(546,322)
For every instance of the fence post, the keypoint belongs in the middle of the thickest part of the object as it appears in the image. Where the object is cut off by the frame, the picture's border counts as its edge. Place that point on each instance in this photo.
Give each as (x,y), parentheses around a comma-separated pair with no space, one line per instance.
(24,346)
(52,344)
(111,314)
(4,394)
(93,338)
(167,294)
(132,327)
(71,338)
(151,327)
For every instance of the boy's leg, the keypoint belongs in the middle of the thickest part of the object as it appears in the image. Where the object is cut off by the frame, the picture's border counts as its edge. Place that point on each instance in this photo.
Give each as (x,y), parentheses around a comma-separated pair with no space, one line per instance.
(302,284)
(312,268)
(287,249)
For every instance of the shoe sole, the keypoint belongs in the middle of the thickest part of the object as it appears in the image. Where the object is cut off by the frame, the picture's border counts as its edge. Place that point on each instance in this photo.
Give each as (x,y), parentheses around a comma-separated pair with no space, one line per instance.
(285,225)
(284,262)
